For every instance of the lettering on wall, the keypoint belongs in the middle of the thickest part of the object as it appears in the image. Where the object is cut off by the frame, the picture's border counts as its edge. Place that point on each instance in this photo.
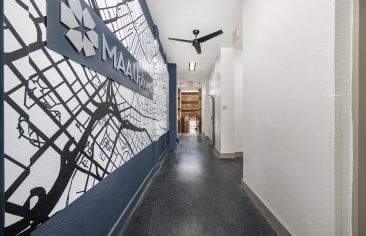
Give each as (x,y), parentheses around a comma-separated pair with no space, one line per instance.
(67,124)
(75,31)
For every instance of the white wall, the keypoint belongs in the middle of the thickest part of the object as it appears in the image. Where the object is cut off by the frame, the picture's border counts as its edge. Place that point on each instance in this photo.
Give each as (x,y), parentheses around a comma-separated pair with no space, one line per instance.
(206,112)
(227,94)
(203,108)
(290,111)
(212,87)
(215,90)
(221,83)
(238,110)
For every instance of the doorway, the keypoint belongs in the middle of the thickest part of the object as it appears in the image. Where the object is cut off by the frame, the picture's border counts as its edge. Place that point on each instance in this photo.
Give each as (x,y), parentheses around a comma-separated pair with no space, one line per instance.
(189,111)
(193,125)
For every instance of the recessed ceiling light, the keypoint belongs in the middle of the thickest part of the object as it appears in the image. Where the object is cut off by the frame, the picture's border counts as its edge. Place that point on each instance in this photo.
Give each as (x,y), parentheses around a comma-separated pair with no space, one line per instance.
(192,66)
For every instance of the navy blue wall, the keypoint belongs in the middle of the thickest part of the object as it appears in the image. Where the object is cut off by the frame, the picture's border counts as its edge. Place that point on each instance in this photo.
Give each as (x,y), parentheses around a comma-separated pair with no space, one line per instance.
(172,69)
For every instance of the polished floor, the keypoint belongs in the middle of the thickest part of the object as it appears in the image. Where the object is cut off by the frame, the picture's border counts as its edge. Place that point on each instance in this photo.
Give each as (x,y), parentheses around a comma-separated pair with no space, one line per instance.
(194,194)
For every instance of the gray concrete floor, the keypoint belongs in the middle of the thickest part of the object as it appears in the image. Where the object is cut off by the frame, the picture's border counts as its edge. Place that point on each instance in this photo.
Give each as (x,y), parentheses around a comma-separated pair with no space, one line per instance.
(195,193)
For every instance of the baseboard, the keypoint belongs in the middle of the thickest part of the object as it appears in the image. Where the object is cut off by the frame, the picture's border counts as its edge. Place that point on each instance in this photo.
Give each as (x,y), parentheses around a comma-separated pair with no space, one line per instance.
(216,151)
(239,154)
(209,141)
(223,155)
(227,156)
(271,219)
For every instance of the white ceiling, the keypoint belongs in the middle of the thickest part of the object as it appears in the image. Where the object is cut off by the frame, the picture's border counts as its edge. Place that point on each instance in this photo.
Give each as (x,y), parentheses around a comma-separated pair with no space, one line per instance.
(178,18)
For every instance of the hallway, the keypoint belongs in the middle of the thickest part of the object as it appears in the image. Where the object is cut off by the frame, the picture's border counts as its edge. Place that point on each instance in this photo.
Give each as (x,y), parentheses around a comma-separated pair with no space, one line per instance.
(195,193)
(95,94)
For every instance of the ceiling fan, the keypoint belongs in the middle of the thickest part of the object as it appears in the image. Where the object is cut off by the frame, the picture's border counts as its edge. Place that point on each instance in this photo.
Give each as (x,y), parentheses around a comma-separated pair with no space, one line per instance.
(197,41)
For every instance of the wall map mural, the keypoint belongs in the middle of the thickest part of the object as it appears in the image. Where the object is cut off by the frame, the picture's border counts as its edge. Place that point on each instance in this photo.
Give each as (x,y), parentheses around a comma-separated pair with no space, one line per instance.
(66,126)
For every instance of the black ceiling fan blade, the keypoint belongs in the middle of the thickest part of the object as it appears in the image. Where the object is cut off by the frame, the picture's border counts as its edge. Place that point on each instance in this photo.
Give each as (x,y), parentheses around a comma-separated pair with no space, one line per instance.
(210,36)
(197,46)
(181,40)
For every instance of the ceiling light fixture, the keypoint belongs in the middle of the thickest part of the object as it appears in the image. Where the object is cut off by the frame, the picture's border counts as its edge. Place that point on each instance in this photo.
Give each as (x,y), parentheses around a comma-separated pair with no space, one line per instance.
(192,66)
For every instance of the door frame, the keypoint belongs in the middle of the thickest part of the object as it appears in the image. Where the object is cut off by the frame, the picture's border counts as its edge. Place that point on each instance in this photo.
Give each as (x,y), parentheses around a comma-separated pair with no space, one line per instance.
(359,118)
(213,114)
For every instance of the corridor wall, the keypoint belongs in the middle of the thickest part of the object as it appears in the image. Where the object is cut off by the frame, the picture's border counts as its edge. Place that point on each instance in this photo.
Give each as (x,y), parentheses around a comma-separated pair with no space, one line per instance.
(297,112)
(238,108)
(227,105)
(214,83)
(79,147)
(206,120)
(223,83)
